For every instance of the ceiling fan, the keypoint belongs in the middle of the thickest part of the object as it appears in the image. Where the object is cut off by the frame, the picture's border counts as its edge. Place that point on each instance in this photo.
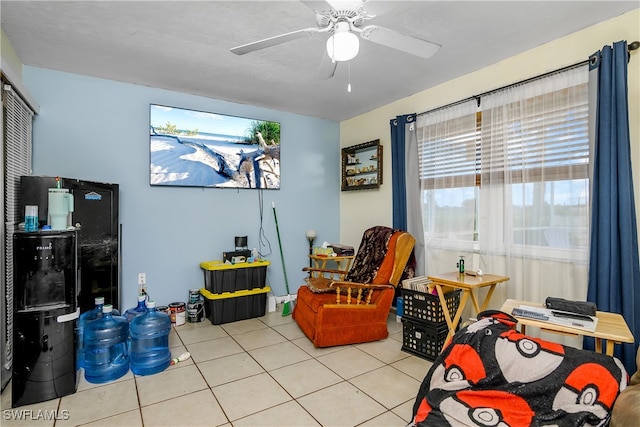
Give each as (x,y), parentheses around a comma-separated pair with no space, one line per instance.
(345,20)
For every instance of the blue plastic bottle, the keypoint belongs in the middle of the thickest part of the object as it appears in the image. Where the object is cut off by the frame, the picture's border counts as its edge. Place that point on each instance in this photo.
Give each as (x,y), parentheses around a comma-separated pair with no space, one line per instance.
(106,356)
(139,310)
(86,318)
(150,341)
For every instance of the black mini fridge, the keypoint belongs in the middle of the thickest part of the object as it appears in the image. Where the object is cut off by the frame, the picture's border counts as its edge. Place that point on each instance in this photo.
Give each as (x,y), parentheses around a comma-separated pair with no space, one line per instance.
(45,313)
(96,206)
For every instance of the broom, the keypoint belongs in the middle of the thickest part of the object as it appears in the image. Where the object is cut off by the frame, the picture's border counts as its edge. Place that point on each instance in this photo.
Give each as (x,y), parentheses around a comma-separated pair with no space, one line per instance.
(287,308)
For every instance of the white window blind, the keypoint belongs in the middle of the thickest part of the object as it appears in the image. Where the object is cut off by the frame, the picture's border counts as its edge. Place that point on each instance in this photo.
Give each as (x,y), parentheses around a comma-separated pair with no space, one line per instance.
(17,133)
(539,135)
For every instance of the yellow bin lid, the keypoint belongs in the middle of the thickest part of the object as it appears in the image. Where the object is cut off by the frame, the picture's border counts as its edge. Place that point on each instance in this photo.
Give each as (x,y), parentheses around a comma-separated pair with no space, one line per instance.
(243,293)
(220,265)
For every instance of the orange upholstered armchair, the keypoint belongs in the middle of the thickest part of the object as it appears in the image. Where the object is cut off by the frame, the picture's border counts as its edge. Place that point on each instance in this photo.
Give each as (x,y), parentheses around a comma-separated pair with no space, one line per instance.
(354,308)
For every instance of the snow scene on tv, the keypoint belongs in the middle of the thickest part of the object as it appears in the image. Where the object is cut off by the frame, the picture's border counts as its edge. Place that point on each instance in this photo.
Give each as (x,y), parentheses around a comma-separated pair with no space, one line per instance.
(199,149)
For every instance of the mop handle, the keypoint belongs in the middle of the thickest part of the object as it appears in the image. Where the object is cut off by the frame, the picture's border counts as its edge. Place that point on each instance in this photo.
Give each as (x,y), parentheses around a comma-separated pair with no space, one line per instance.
(284,269)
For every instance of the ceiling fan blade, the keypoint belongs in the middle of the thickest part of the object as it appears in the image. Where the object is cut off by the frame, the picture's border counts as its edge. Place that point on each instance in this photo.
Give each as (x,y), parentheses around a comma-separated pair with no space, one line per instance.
(327,67)
(402,42)
(272,41)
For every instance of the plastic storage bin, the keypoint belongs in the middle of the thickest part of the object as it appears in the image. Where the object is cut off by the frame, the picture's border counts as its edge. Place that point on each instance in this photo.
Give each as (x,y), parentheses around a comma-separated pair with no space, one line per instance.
(150,352)
(232,306)
(106,348)
(426,307)
(422,339)
(220,277)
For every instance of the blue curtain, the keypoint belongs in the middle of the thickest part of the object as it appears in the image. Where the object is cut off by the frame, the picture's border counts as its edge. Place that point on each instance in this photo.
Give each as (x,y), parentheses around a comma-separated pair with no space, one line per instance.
(614,271)
(398,169)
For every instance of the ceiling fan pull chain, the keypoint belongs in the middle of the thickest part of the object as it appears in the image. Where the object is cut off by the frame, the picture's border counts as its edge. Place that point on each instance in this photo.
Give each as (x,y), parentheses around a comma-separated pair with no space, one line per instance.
(349,84)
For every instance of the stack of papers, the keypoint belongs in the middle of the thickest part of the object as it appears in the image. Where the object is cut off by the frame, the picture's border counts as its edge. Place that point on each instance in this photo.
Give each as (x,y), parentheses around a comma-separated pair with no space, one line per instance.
(419,284)
(562,318)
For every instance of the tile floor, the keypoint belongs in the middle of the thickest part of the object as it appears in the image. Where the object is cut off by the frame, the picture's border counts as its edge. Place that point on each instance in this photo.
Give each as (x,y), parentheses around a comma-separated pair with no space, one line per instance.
(255,372)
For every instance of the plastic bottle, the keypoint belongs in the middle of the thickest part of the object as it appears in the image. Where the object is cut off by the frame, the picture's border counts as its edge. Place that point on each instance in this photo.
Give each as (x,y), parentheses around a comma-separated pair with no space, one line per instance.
(106,356)
(150,352)
(139,310)
(86,318)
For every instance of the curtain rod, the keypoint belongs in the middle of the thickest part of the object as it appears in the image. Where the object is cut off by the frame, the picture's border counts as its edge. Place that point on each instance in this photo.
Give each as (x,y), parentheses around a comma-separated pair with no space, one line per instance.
(631,47)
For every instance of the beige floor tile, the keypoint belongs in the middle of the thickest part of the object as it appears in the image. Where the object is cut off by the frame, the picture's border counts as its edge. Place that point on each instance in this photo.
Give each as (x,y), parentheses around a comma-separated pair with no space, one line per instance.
(386,350)
(194,409)
(229,368)
(28,415)
(212,349)
(249,395)
(397,336)
(174,339)
(393,326)
(278,355)
(275,318)
(83,384)
(128,419)
(341,405)
(99,402)
(405,411)
(242,326)
(413,366)
(350,362)
(288,414)
(197,332)
(398,387)
(305,377)
(290,331)
(260,338)
(306,344)
(169,384)
(388,419)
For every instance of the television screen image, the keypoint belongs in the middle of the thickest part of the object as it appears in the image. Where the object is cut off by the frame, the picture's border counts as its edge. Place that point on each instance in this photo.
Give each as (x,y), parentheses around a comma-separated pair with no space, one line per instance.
(200,149)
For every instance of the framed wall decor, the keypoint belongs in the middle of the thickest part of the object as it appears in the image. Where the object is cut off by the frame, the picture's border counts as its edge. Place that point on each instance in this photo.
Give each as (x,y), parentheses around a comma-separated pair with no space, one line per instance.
(191,148)
(362,166)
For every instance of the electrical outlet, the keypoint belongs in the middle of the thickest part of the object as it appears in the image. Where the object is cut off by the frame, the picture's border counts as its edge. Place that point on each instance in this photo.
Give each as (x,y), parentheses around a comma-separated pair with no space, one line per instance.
(142,279)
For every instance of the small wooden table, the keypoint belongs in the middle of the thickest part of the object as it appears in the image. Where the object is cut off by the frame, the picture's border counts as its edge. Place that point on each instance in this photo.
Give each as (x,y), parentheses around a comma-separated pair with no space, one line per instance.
(467,284)
(343,263)
(610,327)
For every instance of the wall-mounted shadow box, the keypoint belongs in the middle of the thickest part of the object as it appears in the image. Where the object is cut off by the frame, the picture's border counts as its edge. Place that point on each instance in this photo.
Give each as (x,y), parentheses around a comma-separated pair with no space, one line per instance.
(362,166)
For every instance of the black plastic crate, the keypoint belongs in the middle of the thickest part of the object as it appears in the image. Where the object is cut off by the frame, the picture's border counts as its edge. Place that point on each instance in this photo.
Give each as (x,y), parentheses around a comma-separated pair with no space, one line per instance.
(220,277)
(422,339)
(230,307)
(426,307)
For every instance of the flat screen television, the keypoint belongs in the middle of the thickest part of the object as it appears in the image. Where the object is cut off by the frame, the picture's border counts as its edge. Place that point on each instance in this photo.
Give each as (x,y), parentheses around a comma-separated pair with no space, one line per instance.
(199,149)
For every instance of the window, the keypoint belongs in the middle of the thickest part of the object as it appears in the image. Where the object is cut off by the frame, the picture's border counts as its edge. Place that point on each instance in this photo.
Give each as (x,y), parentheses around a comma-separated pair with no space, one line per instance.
(511,172)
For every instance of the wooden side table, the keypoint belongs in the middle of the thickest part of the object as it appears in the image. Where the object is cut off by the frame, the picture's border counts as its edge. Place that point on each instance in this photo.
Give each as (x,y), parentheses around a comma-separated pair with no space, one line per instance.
(610,327)
(443,282)
(343,263)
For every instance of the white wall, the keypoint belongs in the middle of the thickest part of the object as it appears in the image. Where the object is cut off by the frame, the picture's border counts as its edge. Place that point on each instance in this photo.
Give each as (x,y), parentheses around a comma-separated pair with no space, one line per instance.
(98,130)
(359,209)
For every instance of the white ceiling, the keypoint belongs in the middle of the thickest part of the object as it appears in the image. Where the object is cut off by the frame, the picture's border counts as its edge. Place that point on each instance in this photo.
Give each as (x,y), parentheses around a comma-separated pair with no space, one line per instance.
(184,46)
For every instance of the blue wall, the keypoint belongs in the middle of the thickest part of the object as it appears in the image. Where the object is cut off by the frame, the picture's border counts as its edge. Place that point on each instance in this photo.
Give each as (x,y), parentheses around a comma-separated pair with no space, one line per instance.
(97,130)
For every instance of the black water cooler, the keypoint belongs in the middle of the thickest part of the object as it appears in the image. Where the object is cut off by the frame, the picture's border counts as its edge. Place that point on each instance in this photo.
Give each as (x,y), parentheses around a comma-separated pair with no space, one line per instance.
(45,313)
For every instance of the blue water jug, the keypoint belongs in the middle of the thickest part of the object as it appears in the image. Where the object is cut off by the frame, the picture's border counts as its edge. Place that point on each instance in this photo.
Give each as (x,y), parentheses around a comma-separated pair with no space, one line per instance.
(140,309)
(150,341)
(106,355)
(86,318)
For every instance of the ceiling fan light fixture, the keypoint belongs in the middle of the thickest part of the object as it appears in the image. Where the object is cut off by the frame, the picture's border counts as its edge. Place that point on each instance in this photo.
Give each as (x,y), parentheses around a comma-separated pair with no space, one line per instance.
(343,45)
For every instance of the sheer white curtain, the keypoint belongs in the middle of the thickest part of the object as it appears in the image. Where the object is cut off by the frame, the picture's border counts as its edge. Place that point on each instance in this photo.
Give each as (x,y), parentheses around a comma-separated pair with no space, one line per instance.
(534,191)
(506,186)
(447,146)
